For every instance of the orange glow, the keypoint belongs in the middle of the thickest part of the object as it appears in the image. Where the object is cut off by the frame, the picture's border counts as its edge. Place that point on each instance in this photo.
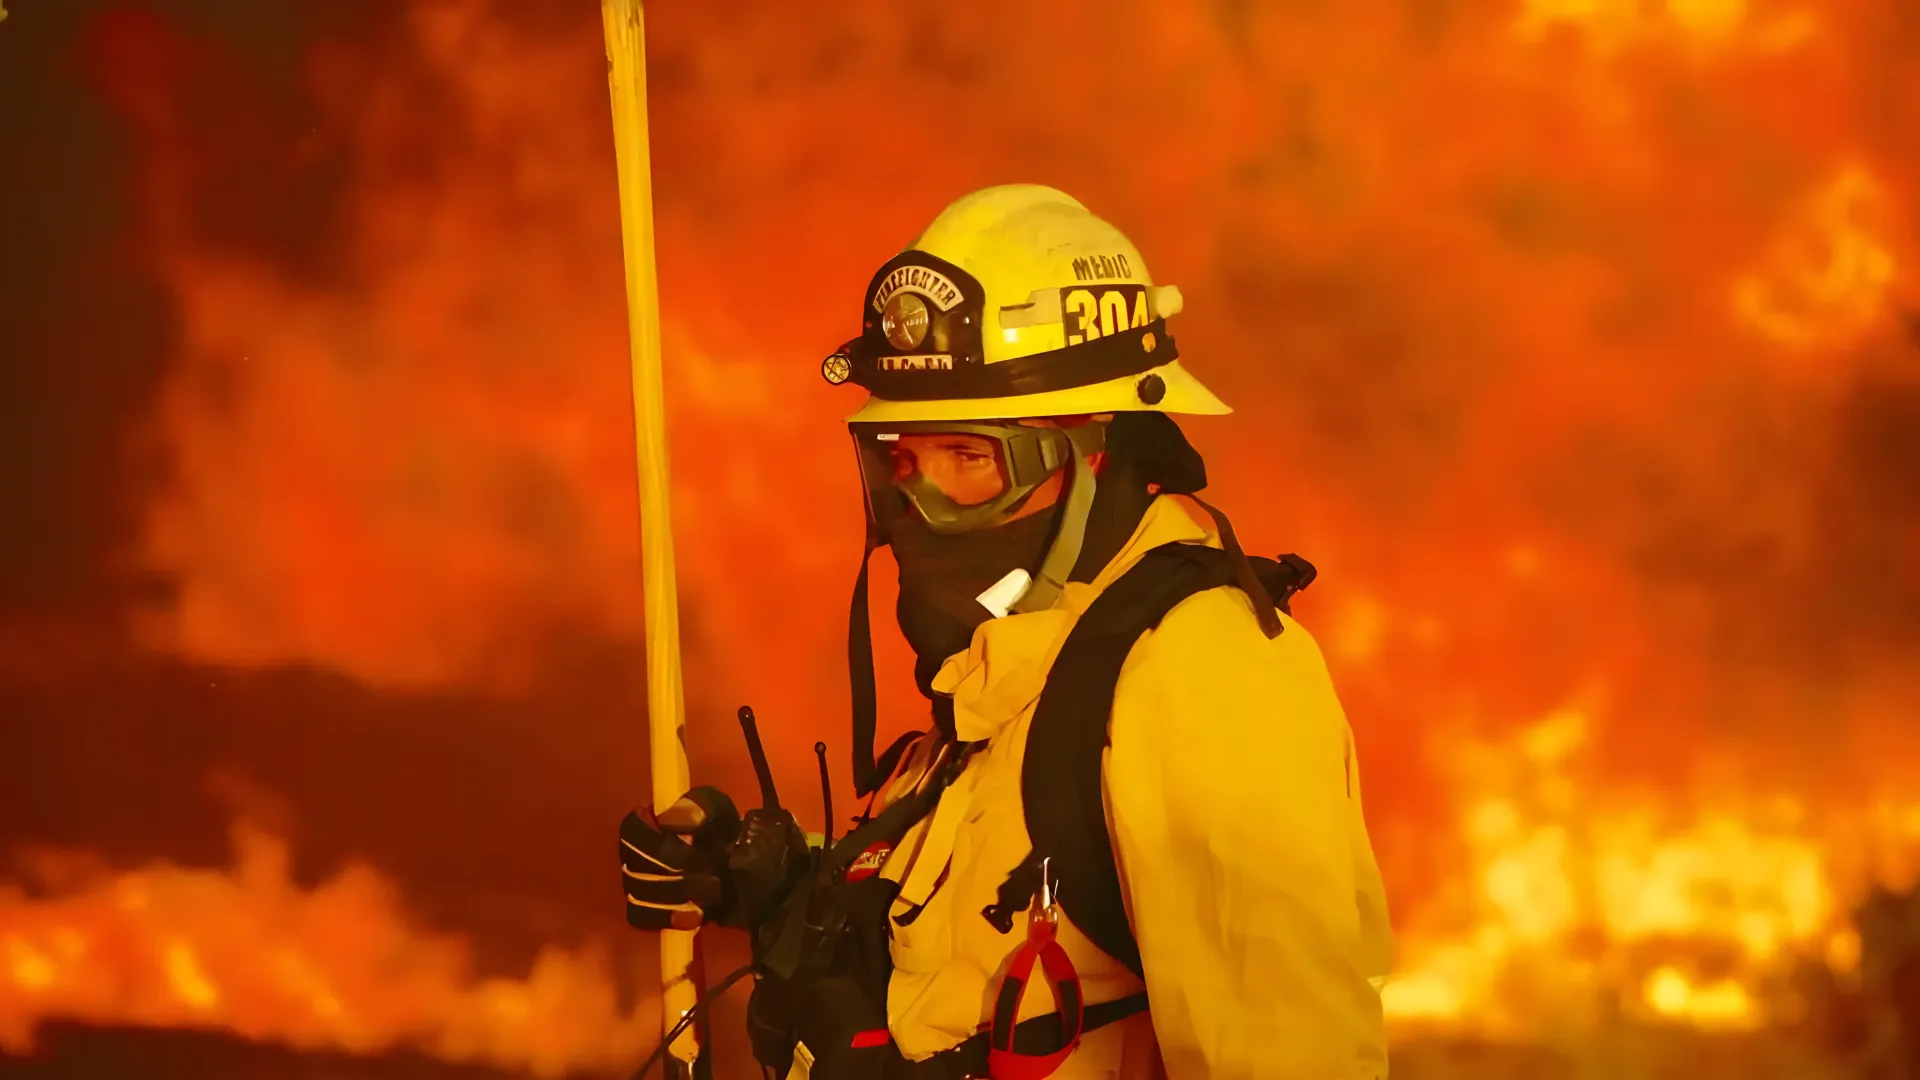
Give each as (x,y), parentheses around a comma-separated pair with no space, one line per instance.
(416,471)
(1827,275)
(1569,905)
(338,967)
(1547,322)
(1572,901)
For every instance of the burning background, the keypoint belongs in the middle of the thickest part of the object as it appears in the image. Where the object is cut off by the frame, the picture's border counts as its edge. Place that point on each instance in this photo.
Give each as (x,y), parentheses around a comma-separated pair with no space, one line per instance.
(1570,338)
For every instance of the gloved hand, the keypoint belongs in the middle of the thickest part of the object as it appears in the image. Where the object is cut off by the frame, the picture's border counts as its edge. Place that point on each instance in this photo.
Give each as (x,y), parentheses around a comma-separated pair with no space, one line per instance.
(767,858)
(674,864)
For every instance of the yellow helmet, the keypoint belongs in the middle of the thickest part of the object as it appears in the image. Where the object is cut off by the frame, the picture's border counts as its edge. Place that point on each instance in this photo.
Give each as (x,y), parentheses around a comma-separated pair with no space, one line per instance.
(1017,302)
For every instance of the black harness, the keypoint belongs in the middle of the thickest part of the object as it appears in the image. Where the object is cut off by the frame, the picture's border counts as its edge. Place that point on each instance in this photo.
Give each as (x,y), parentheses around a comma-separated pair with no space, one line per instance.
(824,963)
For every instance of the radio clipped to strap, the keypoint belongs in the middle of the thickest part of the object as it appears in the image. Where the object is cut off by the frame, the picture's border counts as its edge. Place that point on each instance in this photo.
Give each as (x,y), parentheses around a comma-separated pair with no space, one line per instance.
(1042,946)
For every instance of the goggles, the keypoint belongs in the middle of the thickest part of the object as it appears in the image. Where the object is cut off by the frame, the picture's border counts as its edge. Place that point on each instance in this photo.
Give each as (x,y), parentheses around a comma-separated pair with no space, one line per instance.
(1024,457)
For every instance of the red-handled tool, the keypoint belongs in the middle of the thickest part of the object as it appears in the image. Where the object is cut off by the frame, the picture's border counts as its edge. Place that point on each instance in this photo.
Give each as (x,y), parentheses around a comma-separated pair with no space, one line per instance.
(1042,945)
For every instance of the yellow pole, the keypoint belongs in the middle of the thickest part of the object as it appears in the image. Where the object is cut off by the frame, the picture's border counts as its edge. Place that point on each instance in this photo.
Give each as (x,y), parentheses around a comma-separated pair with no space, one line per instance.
(666,709)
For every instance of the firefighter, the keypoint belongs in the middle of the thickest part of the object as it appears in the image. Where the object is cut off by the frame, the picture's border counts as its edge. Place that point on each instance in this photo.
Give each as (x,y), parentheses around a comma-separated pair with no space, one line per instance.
(1197,899)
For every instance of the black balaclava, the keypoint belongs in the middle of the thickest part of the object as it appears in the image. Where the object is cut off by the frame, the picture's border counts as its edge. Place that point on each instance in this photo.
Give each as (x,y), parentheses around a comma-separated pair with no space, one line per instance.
(1143,448)
(941,577)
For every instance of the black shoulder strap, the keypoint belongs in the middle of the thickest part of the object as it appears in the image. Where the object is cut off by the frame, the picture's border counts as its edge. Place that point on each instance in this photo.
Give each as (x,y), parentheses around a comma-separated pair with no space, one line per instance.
(1061,777)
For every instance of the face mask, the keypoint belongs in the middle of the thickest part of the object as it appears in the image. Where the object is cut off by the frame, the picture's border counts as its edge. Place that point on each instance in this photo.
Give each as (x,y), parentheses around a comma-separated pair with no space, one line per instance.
(940,576)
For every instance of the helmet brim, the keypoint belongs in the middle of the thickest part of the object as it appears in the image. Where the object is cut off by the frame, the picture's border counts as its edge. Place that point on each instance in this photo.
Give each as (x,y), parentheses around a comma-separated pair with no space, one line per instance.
(1184,395)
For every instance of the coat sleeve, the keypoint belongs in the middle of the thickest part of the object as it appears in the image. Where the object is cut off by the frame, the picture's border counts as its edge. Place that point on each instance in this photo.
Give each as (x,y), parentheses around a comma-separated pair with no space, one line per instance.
(1235,807)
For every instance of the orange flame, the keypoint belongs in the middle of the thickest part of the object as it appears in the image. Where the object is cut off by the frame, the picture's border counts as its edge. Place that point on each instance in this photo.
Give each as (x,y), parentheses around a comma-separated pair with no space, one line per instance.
(1521,304)
(1570,908)
(249,952)
(1575,904)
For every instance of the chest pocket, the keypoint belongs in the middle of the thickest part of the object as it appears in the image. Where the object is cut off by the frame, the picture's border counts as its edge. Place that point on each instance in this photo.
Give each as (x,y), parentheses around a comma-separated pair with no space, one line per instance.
(920,924)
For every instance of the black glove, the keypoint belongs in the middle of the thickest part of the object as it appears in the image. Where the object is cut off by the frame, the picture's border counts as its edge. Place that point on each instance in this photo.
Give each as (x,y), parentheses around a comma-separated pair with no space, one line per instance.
(674,864)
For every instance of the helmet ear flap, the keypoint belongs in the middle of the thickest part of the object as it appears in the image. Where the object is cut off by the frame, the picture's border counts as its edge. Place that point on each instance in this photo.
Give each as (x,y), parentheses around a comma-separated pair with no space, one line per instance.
(1153,444)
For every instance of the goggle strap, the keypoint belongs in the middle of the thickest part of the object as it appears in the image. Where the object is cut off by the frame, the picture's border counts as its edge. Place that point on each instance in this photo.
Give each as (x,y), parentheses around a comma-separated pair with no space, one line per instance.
(1068,539)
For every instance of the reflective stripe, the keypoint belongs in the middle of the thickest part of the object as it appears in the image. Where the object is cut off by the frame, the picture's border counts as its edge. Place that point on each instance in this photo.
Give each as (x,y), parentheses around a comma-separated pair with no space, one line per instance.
(629,846)
(670,876)
(631,902)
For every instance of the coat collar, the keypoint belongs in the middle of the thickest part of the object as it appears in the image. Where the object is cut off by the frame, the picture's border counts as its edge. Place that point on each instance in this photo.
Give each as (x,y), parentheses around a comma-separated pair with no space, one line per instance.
(1003,671)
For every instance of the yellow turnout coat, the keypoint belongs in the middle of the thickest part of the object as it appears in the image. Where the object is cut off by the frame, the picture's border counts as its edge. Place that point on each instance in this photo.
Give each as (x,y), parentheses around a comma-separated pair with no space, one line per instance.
(1233,799)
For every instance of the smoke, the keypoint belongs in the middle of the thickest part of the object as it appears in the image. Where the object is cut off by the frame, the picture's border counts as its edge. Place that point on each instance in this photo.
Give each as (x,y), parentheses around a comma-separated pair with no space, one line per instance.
(1565,338)
(1574,342)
